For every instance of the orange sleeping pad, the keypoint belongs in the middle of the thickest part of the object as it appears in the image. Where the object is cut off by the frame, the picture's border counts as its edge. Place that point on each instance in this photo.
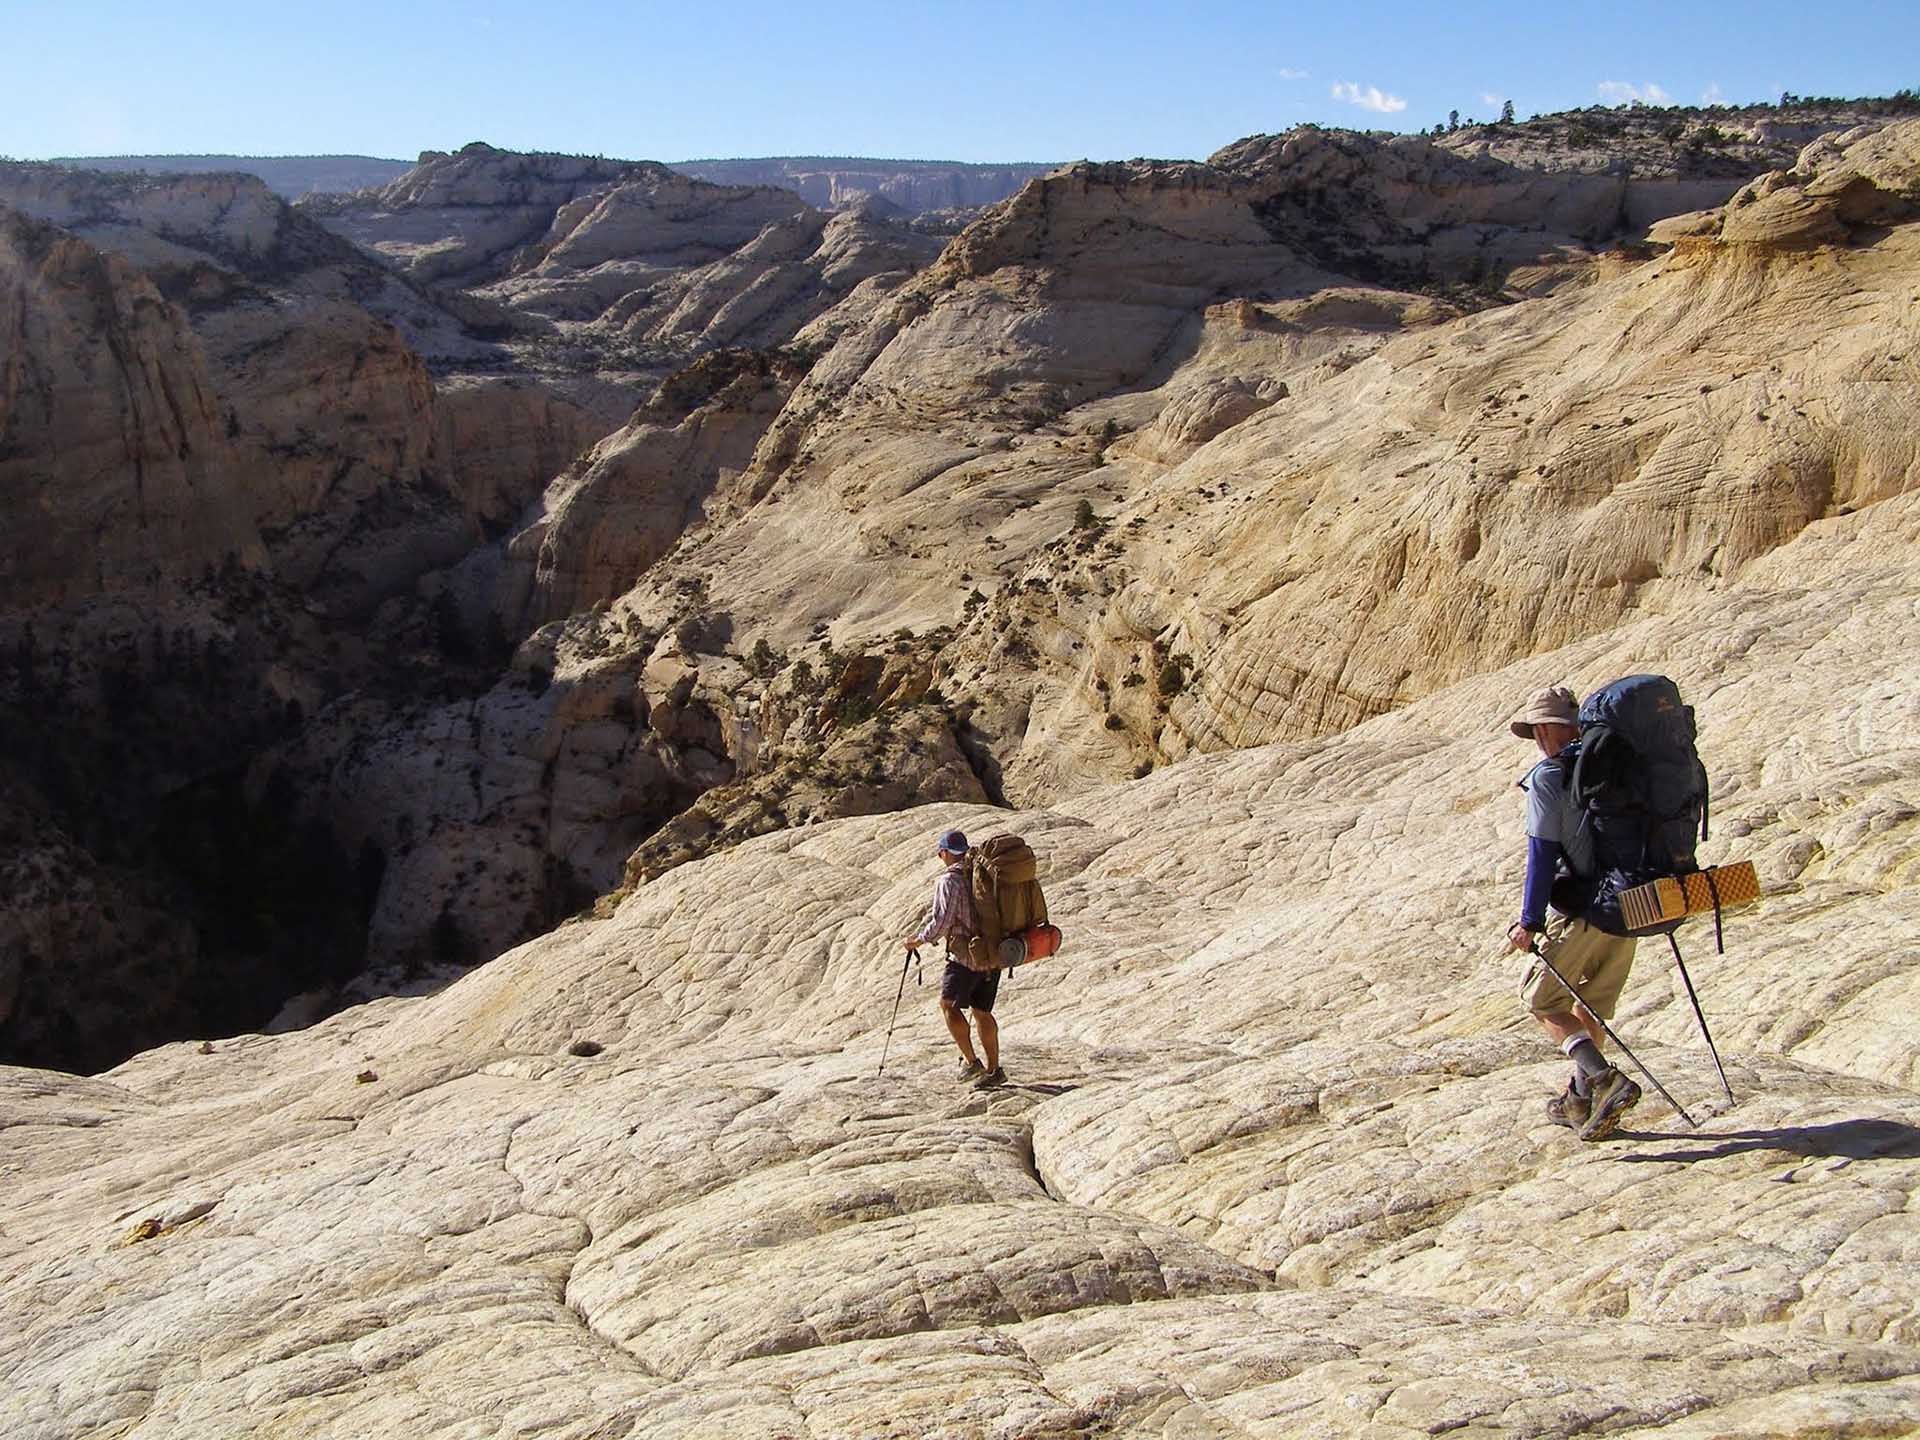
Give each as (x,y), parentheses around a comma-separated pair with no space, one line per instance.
(1674,897)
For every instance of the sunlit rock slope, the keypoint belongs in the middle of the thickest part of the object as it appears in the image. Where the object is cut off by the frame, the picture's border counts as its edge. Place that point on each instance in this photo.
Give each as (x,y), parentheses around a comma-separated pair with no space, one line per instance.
(1272,1161)
(1166,521)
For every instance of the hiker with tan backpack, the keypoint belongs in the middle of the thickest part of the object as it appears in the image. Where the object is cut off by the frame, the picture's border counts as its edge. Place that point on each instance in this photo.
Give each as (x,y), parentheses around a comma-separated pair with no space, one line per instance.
(989,909)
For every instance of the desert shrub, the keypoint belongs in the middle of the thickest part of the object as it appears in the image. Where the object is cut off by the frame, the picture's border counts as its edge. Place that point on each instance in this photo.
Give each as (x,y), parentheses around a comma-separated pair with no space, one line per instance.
(854,709)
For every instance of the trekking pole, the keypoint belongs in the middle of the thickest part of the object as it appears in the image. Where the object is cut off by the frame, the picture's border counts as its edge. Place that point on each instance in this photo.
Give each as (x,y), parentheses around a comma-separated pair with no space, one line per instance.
(1665,1094)
(1700,1015)
(912,956)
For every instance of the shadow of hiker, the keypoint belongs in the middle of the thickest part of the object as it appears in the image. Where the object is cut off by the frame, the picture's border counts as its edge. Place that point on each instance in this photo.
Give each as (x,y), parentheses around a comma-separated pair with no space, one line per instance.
(1847,1139)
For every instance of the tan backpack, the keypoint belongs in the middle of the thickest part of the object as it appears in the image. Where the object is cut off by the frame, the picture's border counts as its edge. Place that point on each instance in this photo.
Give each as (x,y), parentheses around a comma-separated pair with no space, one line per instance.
(1008,907)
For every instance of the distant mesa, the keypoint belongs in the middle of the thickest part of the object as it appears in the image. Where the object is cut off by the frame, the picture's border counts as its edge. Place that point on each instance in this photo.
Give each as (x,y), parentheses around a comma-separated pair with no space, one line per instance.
(915,187)
(289,176)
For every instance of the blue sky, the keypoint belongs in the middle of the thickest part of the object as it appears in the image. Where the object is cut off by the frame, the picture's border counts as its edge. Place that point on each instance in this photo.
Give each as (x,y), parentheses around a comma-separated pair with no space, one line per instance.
(984,81)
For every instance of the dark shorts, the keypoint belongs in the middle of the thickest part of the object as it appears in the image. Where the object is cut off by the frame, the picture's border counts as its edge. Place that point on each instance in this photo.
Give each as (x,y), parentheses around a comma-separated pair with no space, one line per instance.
(969,989)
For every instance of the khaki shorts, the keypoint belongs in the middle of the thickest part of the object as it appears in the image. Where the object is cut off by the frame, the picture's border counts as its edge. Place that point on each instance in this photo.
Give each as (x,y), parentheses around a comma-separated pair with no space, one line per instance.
(1595,964)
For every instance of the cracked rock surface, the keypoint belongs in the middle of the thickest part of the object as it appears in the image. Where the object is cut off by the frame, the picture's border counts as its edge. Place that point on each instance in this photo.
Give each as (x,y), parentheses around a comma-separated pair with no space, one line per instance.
(1273,1160)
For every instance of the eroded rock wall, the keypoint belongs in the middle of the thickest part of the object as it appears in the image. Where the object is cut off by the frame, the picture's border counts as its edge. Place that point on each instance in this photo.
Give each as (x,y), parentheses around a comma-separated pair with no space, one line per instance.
(1260,518)
(114,453)
(231,484)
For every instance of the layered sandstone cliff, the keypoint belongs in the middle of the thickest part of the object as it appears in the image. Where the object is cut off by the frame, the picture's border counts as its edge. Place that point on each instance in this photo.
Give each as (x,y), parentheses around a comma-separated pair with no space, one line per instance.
(765,292)
(229,478)
(463,217)
(1223,523)
(115,459)
(1115,519)
(324,403)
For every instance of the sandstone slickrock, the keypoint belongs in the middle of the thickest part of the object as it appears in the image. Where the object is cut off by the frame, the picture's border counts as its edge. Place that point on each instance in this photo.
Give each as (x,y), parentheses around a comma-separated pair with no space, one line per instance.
(628,267)
(769,290)
(463,216)
(561,235)
(1273,1160)
(1674,142)
(624,503)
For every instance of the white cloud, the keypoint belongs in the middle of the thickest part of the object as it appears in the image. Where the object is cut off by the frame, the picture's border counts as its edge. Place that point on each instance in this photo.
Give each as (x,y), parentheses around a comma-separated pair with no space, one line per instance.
(1620,92)
(1713,94)
(1367,98)
(1487,97)
(1287,72)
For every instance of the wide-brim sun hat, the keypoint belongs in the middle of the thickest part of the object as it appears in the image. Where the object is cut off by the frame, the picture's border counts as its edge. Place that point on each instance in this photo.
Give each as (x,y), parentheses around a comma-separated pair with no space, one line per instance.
(1554,705)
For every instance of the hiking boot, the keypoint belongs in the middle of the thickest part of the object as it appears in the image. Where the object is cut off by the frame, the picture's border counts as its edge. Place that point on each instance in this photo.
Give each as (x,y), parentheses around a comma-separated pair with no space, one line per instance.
(991,1079)
(971,1070)
(1569,1109)
(1613,1095)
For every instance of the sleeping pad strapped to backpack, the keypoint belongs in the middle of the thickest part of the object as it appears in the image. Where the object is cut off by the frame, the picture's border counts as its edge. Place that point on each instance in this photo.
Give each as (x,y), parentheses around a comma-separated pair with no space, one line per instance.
(1008,908)
(1639,782)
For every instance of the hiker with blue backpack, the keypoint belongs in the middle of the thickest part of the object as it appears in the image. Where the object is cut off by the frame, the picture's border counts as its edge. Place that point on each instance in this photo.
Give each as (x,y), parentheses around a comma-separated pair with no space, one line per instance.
(1613,810)
(1560,851)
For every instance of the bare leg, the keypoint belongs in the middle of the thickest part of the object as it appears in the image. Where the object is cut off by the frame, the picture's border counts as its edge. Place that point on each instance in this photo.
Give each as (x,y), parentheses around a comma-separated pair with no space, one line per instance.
(1594,1032)
(989,1036)
(1568,1023)
(957,1027)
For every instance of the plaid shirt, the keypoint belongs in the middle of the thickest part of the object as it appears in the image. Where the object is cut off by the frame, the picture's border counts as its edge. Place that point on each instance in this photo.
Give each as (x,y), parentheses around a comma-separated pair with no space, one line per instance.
(952,918)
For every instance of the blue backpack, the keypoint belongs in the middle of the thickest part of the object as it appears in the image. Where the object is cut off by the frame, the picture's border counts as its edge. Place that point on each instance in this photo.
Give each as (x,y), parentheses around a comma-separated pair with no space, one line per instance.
(1638,780)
